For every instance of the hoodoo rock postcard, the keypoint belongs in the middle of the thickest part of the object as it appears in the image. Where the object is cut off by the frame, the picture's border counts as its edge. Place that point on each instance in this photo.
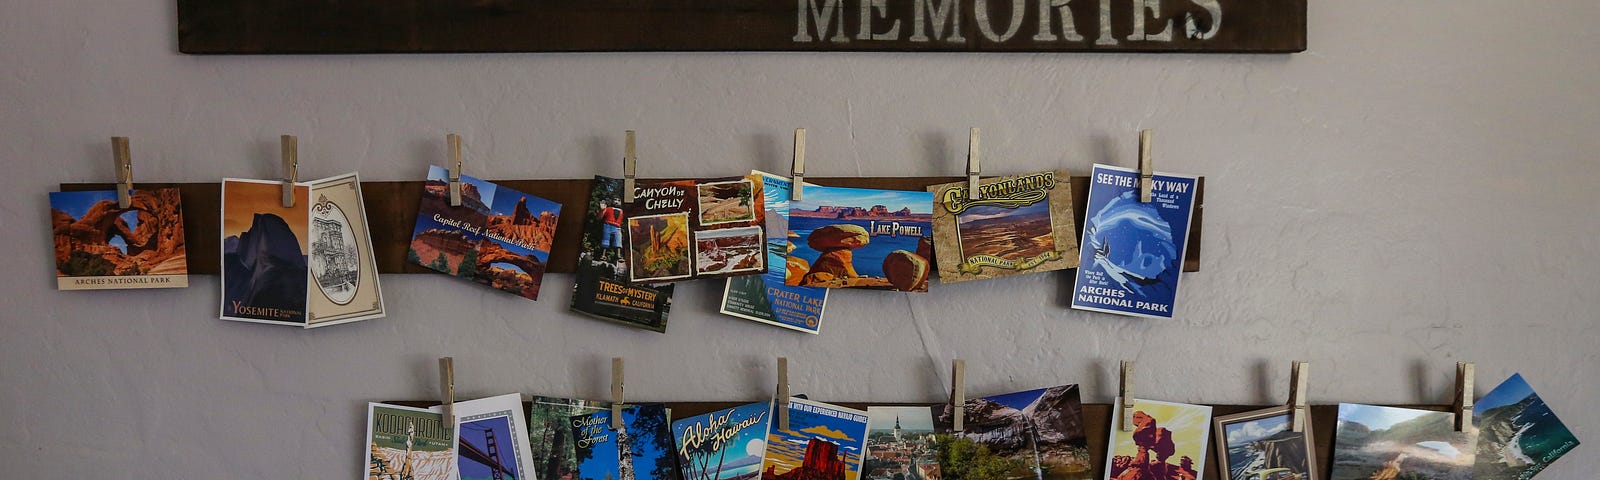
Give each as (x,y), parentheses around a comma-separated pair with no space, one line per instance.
(700,228)
(1168,441)
(498,237)
(602,289)
(1132,251)
(765,298)
(1020,224)
(861,238)
(101,246)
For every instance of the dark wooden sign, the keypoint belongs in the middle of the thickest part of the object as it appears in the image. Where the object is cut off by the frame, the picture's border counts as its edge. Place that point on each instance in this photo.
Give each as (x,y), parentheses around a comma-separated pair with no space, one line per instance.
(446,26)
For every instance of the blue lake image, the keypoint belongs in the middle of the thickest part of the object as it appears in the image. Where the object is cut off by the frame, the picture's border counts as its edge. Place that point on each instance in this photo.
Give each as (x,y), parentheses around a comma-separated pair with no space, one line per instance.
(868,260)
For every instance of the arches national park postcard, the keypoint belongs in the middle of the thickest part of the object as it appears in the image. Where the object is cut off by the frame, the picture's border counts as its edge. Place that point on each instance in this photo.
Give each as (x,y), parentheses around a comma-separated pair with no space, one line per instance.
(861,238)
(1020,224)
(100,245)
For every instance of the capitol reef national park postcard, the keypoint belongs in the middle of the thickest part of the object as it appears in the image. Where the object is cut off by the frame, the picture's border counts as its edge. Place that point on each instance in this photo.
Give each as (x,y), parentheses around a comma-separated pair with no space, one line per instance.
(498,237)
(101,246)
(861,238)
(1020,224)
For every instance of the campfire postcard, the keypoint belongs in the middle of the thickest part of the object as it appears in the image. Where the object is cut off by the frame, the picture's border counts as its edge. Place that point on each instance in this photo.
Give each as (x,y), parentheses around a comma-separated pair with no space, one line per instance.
(641,450)
(1034,434)
(764,298)
(1399,443)
(407,442)
(1022,224)
(1168,441)
(723,445)
(1132,252)
(498,237)
(601,289)
(823,442)
(100,245)
(690,229)
(1260,445)
(1518,435)
(861,238)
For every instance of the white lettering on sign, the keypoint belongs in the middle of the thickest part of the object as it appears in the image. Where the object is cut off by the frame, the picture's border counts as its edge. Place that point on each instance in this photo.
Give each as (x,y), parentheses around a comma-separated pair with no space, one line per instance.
(940,21)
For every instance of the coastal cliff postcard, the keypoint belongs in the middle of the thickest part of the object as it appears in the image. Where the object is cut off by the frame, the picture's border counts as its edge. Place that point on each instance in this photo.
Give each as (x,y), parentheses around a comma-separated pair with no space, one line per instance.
(550,433)
(101,246)
(1260,445)
(407,442)
(489,437)
(641,450)
(1132,252)
(1037,434)
(861,238)
(498,237)
(1389,442)
(823,442)
(1168,441)
(765,298)
(1022,224)
(723,445)
(602,289)
(1518,435)
(901,443)
(700,228)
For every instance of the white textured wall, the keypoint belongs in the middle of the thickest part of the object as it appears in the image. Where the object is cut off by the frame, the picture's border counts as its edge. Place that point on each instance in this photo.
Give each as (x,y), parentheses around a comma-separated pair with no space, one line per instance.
(1415,190)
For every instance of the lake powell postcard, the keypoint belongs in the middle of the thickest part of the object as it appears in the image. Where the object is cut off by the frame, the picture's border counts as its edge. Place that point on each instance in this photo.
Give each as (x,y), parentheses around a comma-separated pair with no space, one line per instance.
(861,238)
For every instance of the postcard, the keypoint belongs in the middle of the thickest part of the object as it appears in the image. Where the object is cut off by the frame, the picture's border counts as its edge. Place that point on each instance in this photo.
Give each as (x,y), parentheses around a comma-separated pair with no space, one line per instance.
(901,443)
(550,434)
(723,445)
(765,298)
(1132,252)
(407,442)
(343,268)
(698,228)
(1168,441)
(1518,435)
(498,237)
(1022,224)
(1259,445)
(1389,442)
(641,450)
(602,289)
(490,440)
(823,442)
(101,246)
(1037,434)
(861,238)
(264,265)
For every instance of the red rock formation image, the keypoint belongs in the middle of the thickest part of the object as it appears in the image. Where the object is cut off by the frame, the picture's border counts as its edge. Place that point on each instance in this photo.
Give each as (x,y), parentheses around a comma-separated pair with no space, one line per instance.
(822,462)
(429,246)
(522,227)
(1152,441)
(154,244)
(522,274)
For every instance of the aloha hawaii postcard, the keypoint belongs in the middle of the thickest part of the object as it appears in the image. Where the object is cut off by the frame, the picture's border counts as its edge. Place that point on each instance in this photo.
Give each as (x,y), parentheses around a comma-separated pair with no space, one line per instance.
(1390,442)
(765,298)
(641,450)
(901,443)
(410,443)
(1259,445)
(1132,252)
(861,238)
(602,289)
(1168,441)
(726,444)
(697,228)
(498,237)
(101,246)
(1518,435)
(1037,434)
(823,442)
(550,433)
(490,443)
(1021,224)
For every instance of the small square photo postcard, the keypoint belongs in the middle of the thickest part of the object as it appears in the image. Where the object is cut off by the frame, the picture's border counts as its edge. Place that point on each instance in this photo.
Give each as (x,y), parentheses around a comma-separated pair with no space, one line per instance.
(1260,445)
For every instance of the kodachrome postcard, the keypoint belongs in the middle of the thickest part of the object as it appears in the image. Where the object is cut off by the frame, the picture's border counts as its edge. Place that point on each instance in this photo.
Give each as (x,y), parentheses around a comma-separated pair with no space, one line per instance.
(101,246)
(410,443)
(1021,224)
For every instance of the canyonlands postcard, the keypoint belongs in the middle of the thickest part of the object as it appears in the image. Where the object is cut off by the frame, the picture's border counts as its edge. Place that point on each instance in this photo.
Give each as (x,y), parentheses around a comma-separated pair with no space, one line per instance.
(100,245)
(1022,224)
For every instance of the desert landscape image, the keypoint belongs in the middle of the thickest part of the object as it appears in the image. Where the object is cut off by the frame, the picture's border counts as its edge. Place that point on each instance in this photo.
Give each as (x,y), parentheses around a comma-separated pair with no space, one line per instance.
(659,246)
(95,237)
(729,250)
(726,202)
(1018,233)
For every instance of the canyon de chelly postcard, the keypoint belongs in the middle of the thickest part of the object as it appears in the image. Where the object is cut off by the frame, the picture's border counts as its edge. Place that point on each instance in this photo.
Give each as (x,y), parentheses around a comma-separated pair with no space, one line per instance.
(695,228)
(1021,224)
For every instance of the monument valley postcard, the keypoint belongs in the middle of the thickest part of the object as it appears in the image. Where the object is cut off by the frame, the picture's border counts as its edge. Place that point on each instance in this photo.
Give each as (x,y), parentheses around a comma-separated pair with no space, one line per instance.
(1021,224)
(411,443)
(690,229)
(723,445)
(498,237)
(1389,442)
(602,289)
(823,442)
(765,298)
(1259,445)
(1132,251)
(100,245)
(1518,435)
(264,245)
(1168,442)
(861,238)
(1038,433)
(901,443)
(343,269)
(641,450)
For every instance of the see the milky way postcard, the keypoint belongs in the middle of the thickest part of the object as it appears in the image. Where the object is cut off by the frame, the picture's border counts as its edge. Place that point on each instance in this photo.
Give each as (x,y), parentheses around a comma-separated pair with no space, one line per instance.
(498,237)
(1022,224)
(1037,434)
(641,450)
(411,443)
(1132,252)
(1389,442)
(1518,435)
(723,445)
(823,442)
(764,298)
(100,245)
(700,228)
(861,238)
(1168,441)
(1260,444)
(602,289)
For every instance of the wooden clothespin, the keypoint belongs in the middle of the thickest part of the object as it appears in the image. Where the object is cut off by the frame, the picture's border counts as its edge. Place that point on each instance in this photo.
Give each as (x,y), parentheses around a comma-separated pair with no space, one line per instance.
(616,386)
(797,170)
(122,161)
(447,389)
(291,167)
(1146,172)
(958,392)
(1299,410)
(1125,391)
(630,161)
(1464,393)
(972,167)
(783,393)
(454,142)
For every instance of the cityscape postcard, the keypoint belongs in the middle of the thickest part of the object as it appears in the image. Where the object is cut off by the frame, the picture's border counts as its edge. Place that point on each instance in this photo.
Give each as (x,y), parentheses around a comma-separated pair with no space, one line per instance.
(641,450)
(1132,251)
(1389,442)
(602,289)
(1259,445)
(901,444)
(498,237)
(726,444)
(695,228)
(550,434)
(407,442)
(101,246)
(1518,435)
(861,238)
(264,245)
(1168,441)
(1038,434)
(765,298)
(823,442)
(1021,224)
